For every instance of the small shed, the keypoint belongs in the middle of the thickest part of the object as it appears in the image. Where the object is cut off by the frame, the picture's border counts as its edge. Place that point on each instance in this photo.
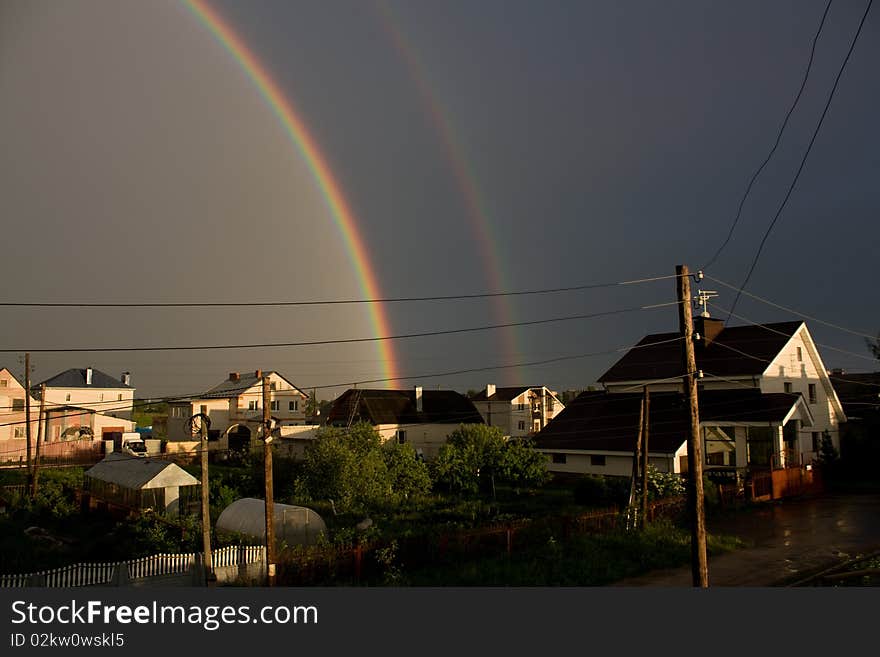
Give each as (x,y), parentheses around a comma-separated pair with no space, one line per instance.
(294,525)
(141,483)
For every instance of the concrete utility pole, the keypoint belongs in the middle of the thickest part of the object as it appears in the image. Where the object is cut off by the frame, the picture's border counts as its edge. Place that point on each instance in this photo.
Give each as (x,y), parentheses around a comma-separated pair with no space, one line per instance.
(206,508)
(696,512)
(41,420)
(645,432)
(27,419)
(270,502)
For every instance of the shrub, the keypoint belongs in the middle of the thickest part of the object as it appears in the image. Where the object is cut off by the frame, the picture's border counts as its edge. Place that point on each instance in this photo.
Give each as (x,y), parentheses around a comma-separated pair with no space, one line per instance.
(664,484)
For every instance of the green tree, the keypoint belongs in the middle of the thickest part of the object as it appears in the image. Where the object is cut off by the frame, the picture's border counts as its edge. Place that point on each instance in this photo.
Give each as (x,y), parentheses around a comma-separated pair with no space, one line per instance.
(476,455)
(353,468)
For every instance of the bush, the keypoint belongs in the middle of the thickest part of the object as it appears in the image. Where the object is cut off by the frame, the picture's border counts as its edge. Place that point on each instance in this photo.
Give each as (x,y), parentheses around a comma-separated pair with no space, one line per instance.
(598,490)
(664,484)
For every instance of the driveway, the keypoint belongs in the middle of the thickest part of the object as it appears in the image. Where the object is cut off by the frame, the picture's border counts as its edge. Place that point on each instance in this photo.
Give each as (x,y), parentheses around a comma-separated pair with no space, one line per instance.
(788,539)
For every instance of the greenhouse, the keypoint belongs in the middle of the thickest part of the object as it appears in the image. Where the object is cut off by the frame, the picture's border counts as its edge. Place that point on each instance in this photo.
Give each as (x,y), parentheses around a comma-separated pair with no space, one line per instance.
(294,525)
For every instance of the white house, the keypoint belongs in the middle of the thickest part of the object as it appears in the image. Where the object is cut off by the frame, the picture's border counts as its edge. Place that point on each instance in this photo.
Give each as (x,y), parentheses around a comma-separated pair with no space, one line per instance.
(423,418)
(517,410)
(90,388)
(235,408)
(765,402)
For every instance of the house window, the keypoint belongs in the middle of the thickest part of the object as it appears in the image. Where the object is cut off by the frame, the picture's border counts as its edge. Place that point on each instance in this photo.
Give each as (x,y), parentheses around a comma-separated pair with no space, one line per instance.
(19,432)
(787,387)
(274,404)
(521,425)
(597,459)
(811,388)
(4,383)
(401,436)
(293,405)
(119,397)
(101,398)
(17,405)
(800,355)
(559,458)
(67,397)
(203,409)
(273,385)
(252,405)
(816,441)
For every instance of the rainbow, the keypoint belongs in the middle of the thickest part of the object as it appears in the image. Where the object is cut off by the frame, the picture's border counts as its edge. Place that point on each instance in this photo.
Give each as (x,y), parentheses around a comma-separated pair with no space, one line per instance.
(474,202)
(299,136)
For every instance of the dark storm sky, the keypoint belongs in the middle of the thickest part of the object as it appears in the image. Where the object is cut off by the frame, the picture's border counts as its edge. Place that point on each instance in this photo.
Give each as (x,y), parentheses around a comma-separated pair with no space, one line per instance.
(607,140)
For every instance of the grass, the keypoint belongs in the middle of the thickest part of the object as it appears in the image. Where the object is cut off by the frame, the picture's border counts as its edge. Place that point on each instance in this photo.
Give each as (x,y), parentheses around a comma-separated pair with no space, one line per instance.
(587,560)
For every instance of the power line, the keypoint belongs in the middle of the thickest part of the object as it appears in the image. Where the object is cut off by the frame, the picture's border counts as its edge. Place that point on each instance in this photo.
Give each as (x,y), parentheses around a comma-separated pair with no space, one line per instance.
(772,330)
(806,155)
(791,310)
(775,144)
(326,302)
(310,343)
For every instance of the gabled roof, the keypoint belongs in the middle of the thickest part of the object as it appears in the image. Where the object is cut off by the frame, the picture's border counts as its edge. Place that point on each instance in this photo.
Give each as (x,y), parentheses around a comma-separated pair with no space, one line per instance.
(76,378)
(658,356)
(399,407)
(505,394)
(11,375)
(608,422)
(228,388)
(139,473)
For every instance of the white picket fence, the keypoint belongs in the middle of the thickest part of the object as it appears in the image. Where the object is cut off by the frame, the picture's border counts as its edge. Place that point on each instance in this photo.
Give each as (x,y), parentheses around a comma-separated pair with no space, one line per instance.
(97,574)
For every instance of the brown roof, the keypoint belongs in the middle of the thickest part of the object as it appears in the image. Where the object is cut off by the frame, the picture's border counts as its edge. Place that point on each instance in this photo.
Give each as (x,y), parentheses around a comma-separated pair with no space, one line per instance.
(607,422)
(658,356)
(399,407)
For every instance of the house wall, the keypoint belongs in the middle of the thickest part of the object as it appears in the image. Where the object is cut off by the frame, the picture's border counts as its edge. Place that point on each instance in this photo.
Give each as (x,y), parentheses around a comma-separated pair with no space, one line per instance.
(801,372)
(495,414)
(427,437)
(284,394)
(507,415)
(10,421)
(617,464)
(118,401)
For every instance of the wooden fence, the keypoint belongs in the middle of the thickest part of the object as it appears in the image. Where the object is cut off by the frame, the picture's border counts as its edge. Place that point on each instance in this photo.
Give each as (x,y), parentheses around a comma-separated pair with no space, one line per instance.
(105,574)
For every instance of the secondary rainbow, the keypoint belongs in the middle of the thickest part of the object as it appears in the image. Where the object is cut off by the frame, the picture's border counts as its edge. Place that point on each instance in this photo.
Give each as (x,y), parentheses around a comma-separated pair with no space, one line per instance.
(465,178)
(297,132)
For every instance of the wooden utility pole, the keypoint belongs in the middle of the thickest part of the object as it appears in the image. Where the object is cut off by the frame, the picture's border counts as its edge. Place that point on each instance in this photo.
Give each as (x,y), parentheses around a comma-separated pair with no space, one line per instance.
(631,513)
(206,508)
(270,506)
(40,422)
(696,512)
(27,420)
(646,421)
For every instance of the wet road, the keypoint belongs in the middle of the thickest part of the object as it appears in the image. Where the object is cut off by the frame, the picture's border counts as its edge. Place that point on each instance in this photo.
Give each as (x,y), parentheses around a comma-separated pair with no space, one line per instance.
(787,540)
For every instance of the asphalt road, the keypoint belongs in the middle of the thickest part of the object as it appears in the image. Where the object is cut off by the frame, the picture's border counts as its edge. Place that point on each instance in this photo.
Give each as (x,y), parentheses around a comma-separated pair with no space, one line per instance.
(788,540)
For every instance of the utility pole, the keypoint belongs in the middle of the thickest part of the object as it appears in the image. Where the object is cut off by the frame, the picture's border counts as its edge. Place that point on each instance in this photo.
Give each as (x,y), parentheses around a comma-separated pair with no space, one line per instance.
(696,511)
(632,518)
(40,422)
(645,432)
(270,502)
(27,419)
(206,508)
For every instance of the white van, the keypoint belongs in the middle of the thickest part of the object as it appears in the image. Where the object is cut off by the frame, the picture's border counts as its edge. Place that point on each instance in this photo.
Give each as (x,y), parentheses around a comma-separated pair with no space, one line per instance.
(133,445)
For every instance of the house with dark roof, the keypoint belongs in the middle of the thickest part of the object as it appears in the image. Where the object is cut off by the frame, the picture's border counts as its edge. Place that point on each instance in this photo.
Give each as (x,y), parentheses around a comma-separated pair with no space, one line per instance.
(517,410)
(423,418)
(766,401)
(235,409)
(90,388)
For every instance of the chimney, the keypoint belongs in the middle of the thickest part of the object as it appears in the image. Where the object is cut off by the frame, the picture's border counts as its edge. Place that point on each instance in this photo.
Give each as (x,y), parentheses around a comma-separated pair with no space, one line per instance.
(126,378)
(708,329)
(234,376)
(258,374)
(88,376)
(490,389)
(419,405)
